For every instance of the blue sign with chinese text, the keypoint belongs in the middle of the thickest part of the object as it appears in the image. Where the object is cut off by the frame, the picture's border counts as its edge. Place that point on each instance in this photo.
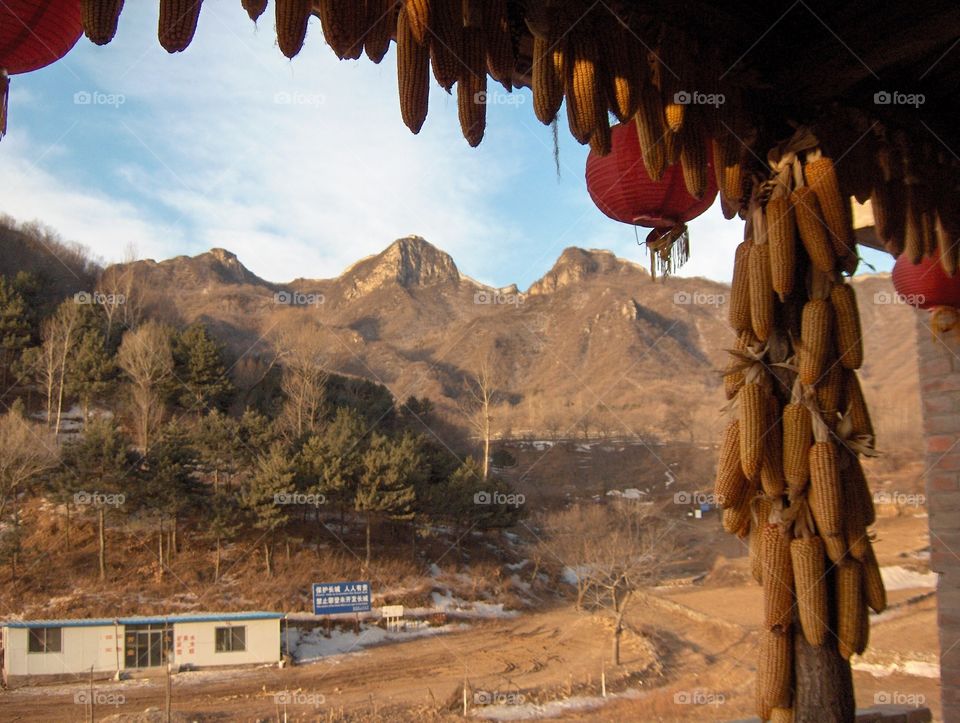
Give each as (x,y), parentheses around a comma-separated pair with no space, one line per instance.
(330,598)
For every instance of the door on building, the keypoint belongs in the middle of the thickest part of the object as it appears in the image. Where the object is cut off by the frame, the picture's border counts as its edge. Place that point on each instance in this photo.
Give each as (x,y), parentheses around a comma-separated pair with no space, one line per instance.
(147,646)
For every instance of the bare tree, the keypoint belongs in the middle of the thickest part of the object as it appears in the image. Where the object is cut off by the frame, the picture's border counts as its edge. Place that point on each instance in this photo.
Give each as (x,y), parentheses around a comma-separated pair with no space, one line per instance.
(49,362)
(146,357)
(118,295)
(27,450)
(303,379)
(615,551)
(477,405)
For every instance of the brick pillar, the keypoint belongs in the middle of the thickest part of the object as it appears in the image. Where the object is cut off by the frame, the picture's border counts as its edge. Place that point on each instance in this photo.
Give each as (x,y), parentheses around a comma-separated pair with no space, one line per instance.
(940,399)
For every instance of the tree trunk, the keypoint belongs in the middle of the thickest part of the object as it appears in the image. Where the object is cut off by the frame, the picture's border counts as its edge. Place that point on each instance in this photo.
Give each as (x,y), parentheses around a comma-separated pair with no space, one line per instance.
(102,540)
(486,447)
(266,558)
(160,550)
(824,684)
(366,565)
(216,566)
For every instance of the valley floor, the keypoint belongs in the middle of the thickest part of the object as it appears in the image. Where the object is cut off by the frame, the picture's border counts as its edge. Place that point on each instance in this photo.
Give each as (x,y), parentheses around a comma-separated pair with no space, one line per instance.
(688,655)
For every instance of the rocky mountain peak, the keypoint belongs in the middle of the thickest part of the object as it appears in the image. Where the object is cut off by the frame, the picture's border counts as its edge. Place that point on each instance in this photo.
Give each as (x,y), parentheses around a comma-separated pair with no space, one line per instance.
(410,262)
(576,264)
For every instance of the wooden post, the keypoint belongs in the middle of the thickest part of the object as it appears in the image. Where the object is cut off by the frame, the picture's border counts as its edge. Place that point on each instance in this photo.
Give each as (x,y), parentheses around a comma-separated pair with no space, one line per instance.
(168,694)
(824,683)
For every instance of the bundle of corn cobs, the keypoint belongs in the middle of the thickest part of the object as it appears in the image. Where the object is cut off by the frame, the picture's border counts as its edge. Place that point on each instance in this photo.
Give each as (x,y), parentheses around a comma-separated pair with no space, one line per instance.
(789,475)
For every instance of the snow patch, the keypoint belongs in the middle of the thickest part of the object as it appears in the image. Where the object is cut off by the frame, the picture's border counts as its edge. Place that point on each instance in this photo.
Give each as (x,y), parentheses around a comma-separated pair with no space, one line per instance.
(896,577)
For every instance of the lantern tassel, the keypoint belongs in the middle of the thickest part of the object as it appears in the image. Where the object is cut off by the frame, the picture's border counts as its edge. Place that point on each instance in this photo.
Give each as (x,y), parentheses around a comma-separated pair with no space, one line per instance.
(669,249)
(4,93)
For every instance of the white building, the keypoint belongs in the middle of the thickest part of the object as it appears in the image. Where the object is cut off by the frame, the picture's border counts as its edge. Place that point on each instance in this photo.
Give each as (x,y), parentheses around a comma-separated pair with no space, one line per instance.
(40,650)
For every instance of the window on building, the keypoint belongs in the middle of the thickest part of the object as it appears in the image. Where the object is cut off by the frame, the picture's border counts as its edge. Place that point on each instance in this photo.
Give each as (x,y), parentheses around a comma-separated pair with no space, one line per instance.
(232,639)
(45,640)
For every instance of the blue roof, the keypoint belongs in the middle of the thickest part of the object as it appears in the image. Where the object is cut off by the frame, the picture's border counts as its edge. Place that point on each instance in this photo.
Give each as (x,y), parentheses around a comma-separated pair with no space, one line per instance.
(141,620)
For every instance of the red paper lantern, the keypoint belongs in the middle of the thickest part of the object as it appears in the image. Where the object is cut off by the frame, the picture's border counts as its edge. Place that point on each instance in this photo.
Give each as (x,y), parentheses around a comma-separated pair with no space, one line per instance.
(33,34)
(618,183)
(925,285)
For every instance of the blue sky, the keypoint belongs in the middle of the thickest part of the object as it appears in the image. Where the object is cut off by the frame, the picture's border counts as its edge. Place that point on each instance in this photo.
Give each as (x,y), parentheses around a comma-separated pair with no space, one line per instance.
(299,167)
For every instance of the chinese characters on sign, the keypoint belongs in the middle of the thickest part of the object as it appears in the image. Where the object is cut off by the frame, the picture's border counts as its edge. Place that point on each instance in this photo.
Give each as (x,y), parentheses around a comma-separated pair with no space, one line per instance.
(341,597)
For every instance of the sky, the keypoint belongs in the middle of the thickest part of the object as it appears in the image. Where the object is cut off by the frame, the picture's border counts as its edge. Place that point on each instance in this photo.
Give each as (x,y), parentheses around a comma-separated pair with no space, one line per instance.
(299,167)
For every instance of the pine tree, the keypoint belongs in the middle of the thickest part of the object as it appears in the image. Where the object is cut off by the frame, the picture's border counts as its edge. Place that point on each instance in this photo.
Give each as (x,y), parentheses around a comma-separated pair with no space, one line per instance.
(200,370)
(91,370)
(95,470)
(262,495)
(218,446)
(14,331)
(330,461)
(167,487)
(389,474)
(223,521)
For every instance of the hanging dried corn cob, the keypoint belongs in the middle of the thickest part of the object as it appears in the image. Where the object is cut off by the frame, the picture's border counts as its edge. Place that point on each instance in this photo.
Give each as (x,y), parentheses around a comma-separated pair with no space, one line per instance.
(499,43)
(413,75)
(381,23)
(825,495)
(472,86)
(813,229)
(775,669)
(809,573)
(760,290)
(782,238)
(547,79)
(651,131)
(816,336)
(752,404)
(623,59)
(851,609)
(822,180)
(344,26)
(585,102)
(739,315)
(731,486)
(178,23)
(855,407)
(874,592)
(777,578)
(693,153)
(847,318)
(418,15)
(772,479)
(829,392)
(761,508)
(736,520)
(797,438)
(100,18)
